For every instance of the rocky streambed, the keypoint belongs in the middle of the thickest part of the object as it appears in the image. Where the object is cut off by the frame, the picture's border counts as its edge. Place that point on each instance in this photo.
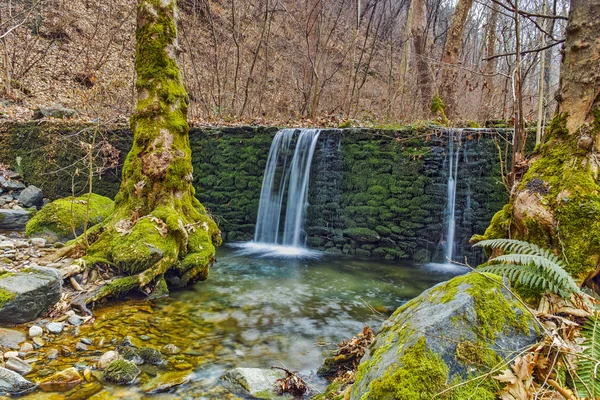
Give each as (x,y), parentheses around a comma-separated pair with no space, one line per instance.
(207,340)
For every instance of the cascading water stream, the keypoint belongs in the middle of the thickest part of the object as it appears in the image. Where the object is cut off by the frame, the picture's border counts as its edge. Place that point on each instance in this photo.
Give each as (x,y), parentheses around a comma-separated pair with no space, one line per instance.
(284,181)
(451,203)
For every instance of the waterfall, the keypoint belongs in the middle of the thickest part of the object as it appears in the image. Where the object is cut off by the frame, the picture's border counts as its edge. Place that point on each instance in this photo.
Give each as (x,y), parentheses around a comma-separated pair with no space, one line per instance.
(285,182)
(451,203)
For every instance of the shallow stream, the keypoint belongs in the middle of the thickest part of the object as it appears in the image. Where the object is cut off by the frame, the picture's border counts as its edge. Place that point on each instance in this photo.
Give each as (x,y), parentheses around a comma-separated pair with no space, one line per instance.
(251,312)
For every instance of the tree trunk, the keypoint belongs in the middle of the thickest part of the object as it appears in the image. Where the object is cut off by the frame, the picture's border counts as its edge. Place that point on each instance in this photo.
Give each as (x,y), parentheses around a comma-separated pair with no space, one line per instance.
(159,232)
(557,203)
(490,64)
(451,54)
(419,23)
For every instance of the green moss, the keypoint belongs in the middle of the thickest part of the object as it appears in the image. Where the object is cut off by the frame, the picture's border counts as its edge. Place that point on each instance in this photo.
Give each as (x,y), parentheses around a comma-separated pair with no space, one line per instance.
(121,372)
(421,374)
(59,218)
(150,355)
(6,296)
(438,108)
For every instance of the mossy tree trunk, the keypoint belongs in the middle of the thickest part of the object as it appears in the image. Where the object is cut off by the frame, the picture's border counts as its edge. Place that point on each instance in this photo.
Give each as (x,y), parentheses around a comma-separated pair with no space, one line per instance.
(557,202)
(159,231)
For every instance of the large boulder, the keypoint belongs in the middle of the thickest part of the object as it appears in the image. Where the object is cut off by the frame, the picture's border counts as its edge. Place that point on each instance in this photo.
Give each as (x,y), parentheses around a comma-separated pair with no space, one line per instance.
(55,221)
(14,220)
(25,295)
(12,383)
(31,196)
(454,331)
(256,382)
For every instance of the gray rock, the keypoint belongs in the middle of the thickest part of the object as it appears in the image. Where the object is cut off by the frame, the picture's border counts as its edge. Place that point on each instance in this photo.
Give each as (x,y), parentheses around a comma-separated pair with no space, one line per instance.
(6,245)
(10,338)
(52,354)
(54,327)
(18,365)
(463,327)
(76,320)
(86,341)
(38,242)
(81,346)
(10,184)
(38,342)
(13,383)
(54,111)
(256,382)
(35,331)
(14,220)
(29,293)
(31,196)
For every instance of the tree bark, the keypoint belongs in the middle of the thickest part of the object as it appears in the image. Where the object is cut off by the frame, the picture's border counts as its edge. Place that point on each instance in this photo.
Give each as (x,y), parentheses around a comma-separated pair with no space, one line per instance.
(450,56)
(490,64)
(557,203)
(419,23)
(159,232)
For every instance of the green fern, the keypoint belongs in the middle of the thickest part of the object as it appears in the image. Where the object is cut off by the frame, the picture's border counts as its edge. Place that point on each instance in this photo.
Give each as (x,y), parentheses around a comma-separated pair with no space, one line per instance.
(530,265)
(587,379)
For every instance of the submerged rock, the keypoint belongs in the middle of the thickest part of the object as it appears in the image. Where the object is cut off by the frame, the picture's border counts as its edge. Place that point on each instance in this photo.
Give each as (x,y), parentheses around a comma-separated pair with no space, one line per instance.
(10,338)
(167,381)
(121,372)
(61,381)
(27,294)
(452,332)
(150,355)
(107,358)
(55,221)
(13,383)
(257,382)
(18,365)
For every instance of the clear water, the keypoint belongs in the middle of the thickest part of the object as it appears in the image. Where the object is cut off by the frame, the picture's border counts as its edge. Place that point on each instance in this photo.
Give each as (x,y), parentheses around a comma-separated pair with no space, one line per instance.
(254,312)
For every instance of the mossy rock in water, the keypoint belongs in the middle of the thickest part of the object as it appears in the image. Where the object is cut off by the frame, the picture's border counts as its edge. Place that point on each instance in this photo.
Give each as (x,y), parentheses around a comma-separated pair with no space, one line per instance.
(121,372)
(56,221)
(452,332)
(150,355)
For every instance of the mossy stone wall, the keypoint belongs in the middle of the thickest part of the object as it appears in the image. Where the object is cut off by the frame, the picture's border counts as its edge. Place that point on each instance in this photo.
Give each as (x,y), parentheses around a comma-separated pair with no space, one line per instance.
(373,193)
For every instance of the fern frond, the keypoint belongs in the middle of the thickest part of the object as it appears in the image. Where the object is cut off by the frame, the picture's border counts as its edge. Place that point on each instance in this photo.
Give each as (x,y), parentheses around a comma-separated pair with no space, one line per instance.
(587,379)
(530,265)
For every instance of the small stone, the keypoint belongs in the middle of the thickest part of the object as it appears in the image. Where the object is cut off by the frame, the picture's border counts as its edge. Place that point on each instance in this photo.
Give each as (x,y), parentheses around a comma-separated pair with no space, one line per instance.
(66,351)
(58,245)
(86,341)
(81,346)
(38,342)
(145,338)
(26,347)
(10,338)
(150,355)
(54,327)
(35,331)
(18,365)
(52,354)
(107,358)
(9,354)
(38,242)
(126,341)
(76,320)
(170,349)
(61,381)
(6,244)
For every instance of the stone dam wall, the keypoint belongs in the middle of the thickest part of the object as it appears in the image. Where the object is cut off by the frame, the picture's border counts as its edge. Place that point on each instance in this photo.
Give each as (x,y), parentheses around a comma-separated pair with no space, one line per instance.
(373,193)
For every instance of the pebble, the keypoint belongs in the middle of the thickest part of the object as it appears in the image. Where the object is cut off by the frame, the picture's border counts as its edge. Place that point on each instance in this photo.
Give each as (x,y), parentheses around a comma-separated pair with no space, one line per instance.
(52,354)
(26,347)
(170,349)
(145,338)
(38,342)
(18,365)
(76,320)
(86,341)
(54,327)
(127,341)
(35,331)
(11,354)
(81,346)
(107,358)
(38,242)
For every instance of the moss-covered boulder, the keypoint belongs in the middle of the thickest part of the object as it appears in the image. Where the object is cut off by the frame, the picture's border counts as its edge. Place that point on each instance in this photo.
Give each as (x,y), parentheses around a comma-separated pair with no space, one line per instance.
(57,221)
(27,294)
(455,331)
